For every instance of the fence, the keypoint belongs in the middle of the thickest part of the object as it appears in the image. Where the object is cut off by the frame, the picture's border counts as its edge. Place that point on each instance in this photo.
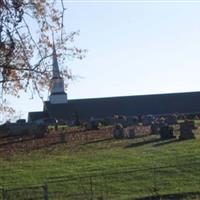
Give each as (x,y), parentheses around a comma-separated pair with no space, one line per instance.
(155,182)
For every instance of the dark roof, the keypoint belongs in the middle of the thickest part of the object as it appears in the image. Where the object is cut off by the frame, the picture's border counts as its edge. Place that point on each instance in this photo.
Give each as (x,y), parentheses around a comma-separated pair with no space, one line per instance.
(33,116)
(156,104)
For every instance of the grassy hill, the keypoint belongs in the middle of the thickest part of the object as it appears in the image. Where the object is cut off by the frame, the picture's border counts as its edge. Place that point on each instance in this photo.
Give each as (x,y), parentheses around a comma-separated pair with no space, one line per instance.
(107,169)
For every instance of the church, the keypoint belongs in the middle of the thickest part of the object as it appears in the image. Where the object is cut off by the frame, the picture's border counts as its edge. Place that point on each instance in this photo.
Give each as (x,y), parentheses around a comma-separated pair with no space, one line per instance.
(59,108)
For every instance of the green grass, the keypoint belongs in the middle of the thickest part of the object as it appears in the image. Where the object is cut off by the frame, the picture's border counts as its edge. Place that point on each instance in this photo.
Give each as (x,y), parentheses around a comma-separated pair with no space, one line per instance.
(38,166)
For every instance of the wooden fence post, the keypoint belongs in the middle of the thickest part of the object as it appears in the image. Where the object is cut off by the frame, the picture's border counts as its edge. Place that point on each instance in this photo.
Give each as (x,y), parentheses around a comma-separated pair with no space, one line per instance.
(91,188)
(62,137)
(45,189)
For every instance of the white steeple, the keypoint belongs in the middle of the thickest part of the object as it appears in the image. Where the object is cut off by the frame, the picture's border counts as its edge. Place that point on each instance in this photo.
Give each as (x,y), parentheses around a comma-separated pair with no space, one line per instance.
(58,94)
(56,72)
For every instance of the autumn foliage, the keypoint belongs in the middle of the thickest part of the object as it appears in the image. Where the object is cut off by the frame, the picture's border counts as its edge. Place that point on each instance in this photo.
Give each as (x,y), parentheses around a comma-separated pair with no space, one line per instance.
(27,31)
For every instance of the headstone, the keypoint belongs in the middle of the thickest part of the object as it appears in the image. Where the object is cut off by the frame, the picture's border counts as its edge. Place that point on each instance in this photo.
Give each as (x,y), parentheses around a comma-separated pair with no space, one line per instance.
(92,125)
(166,132)
(118,132)
(131,133)
(186,130)
(121,120)
(155,128)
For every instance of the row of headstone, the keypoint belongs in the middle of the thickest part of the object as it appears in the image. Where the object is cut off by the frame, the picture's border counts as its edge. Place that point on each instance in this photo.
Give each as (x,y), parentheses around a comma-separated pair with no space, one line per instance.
(131,132)
(186,131)
(165,131)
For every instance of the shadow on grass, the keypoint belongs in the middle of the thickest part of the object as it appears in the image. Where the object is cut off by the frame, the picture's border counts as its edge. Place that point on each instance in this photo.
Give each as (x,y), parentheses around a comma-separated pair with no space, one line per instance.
(97,141)
(158,142)
(178,196)
(165,142)
(144,142)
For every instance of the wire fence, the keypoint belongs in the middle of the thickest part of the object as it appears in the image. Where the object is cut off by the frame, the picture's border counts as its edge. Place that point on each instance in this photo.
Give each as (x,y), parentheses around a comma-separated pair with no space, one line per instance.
(164,182)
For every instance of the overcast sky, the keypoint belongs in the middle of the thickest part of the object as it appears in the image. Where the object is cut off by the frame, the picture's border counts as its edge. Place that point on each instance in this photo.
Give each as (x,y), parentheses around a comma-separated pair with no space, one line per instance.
(133,48)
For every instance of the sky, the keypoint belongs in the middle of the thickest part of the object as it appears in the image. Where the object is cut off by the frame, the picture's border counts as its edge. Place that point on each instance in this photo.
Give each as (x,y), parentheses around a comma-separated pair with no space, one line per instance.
(134,48)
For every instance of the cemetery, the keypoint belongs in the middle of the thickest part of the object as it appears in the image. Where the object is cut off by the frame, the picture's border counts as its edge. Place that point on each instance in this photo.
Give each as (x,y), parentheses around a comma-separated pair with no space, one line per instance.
(118,157)
(90,159)
(101,151)
(143,146)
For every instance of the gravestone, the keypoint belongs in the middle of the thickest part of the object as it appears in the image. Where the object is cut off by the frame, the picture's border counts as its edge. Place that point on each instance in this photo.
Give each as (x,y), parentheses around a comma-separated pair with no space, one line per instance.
(92,124)
(131,133)
(155,128)
(187,130)
(166,132)
(121,120)
(118,132)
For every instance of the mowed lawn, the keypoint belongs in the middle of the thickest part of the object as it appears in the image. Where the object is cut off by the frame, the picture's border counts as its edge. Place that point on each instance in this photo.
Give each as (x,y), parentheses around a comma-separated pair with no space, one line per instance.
(134,163)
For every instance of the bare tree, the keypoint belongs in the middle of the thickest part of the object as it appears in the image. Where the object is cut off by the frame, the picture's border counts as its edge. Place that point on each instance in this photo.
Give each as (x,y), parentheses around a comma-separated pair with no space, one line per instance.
(26,28)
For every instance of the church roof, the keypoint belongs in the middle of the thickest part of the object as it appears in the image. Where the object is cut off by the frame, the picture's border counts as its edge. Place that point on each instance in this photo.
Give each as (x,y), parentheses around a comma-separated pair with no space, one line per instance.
(34,116)
(156,104)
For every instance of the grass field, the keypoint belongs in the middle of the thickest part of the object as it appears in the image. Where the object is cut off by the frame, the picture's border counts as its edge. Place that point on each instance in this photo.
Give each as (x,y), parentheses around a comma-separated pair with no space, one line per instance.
(135,165)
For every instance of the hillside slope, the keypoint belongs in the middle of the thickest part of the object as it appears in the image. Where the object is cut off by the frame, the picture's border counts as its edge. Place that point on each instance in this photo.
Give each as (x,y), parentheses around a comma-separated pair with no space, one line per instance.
(129,168)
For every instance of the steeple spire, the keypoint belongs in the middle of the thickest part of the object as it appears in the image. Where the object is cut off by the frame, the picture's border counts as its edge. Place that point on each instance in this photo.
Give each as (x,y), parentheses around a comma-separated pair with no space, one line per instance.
(58,94)
(56,71)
